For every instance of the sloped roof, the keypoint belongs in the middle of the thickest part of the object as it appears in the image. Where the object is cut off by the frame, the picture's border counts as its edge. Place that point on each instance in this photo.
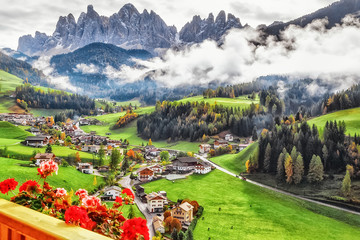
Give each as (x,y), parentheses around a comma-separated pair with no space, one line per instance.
(186,206)
(44,156)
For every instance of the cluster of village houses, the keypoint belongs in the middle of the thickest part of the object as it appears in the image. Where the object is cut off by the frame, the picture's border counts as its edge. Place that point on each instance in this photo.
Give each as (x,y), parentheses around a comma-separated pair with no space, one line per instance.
(155,204)
(90,142)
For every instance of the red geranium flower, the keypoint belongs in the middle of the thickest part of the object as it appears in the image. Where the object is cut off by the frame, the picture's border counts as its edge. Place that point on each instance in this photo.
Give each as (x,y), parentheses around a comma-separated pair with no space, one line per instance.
(128,192)
(47,168)
(118,200)
(78,216)
(30,186)
(82,193)
(91,201)
(7,185)
(133,228)
(60,192)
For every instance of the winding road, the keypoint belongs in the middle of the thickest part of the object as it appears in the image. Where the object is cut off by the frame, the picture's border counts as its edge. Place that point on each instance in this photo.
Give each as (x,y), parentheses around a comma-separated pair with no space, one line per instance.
(126,182)
(275,189)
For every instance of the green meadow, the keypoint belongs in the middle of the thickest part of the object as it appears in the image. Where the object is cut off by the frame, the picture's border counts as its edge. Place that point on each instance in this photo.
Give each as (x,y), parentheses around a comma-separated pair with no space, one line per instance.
(242,101)
(350,116)
(8,82)
(235,163)
(235,209)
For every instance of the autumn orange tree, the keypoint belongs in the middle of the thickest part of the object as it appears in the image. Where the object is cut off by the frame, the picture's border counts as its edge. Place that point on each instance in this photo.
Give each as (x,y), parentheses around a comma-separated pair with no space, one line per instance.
(175,224)
(77,157)
(131,154)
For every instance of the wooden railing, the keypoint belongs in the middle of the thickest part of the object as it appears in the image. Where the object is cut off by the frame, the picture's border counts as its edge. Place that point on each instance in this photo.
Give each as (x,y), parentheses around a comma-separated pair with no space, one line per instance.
(21,223)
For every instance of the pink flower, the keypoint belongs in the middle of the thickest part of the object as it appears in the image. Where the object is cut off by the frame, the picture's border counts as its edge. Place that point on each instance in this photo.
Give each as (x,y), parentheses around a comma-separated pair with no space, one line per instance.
(47,168)
(82,193)
(91,201)
(60,192)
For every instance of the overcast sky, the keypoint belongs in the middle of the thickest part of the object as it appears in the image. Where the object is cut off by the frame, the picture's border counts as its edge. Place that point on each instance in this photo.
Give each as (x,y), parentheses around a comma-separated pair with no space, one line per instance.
(20,17)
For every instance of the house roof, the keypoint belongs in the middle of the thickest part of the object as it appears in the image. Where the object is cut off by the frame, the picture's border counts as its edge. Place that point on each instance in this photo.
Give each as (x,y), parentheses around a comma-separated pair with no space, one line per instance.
(186,206)
(221,141)
(44,156)
(186,159)
(35,138)
(146,169)
(155,196)
(157,223)
(205,164)
(116,188)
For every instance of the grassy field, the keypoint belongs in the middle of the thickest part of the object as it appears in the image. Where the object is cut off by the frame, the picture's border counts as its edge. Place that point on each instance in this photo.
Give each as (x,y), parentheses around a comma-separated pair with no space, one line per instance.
(254,212)
(350,116)
(235,163)
(6,103)
(8,82)
(59,151)
(134,102)
(68,177)
(42,112)
(242,101)
(10,131)
(10,134)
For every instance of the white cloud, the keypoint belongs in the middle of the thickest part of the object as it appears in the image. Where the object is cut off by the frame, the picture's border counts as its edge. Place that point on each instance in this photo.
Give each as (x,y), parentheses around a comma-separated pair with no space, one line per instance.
(313,52)
(86,69)
(60,82)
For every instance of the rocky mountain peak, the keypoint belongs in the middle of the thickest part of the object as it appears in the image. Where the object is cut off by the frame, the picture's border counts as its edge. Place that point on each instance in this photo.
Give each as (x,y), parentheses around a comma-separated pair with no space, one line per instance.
(200,29)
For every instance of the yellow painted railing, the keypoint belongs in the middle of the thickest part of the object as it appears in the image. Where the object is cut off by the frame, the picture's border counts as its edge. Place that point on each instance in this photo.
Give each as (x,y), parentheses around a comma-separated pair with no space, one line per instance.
(21,223)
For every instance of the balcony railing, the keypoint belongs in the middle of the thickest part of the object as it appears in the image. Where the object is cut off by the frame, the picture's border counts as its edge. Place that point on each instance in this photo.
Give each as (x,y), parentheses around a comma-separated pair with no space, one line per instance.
(21,223)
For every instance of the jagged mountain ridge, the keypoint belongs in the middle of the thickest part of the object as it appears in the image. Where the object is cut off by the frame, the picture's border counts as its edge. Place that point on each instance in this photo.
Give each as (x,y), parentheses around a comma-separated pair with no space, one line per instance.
(200,29)
(127,28)
(334,13)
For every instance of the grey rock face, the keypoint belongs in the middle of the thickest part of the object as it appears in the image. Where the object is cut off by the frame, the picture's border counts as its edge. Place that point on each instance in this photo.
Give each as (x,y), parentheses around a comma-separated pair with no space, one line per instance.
(200,29)
(127,28)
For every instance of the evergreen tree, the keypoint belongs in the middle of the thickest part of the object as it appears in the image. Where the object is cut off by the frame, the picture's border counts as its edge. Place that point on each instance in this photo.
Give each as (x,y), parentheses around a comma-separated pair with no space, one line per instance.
(298,169)
(267,158)
(114,159)
(294,153)
(125,165)
(346,184)
(254,134)
(174,234)
(189,235)
(316,170)
(325,153)
(131,212)
(101,155)
(181,235)
(280,172)
(48,148)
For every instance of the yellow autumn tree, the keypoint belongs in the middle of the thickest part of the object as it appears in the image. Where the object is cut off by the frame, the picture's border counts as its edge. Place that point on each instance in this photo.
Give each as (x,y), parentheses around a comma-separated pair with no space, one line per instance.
(150,142)
(247,164)
(289,169)
(95,181)
(62,136)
